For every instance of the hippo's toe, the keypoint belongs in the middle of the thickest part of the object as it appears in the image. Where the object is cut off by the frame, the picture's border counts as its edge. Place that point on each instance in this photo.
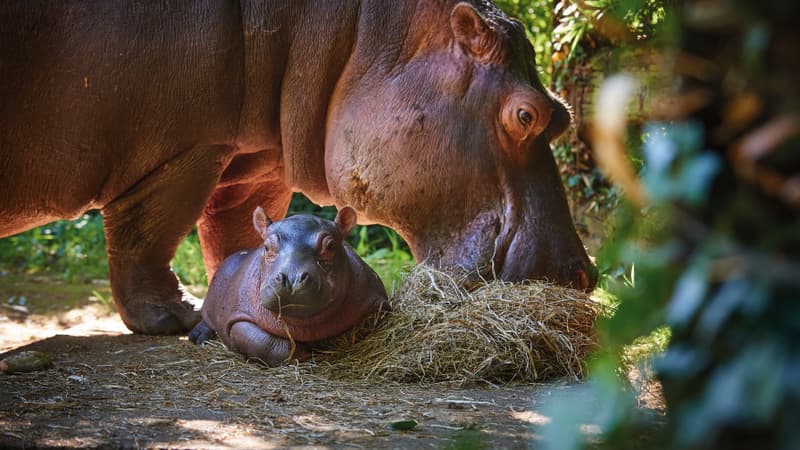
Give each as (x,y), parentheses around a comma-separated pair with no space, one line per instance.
(201,333)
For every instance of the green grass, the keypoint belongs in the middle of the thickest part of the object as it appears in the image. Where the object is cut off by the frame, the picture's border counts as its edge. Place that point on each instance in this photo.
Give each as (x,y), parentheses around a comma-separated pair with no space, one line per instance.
(50,295)
(389,262)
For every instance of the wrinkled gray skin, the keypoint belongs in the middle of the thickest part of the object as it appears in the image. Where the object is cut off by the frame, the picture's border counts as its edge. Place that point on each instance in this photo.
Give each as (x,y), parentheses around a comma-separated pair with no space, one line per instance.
(305,284)
(423,115)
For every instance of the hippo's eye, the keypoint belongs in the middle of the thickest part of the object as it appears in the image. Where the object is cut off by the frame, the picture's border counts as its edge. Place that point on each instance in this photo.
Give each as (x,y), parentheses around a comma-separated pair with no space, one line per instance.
(326,248)
(525,117)
(271,245)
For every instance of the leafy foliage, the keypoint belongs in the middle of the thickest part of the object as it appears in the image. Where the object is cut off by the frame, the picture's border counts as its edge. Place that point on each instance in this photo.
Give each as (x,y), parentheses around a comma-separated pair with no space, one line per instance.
(537,17)
(76,249)
(188,261)
(716,254)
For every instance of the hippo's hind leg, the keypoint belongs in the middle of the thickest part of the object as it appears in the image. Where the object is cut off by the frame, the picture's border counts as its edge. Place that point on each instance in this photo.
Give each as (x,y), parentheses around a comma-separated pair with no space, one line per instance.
(253,342)
(201,333)
(226,225)
(144,227)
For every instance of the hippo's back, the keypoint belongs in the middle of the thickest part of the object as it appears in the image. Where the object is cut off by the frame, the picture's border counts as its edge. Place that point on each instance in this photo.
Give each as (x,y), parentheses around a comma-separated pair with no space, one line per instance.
(96,95)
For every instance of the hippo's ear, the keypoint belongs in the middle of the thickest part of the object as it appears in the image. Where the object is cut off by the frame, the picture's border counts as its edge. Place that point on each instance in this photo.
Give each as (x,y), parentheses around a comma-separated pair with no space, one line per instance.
(471,31)
(345,220)
(261,222)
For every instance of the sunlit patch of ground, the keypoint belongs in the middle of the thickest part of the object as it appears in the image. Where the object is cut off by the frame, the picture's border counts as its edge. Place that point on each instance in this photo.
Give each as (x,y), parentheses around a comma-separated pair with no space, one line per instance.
(35,308)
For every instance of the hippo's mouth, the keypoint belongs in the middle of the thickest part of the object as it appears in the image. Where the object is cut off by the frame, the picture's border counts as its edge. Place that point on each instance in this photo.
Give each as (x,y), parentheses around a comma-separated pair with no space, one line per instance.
(519,257)
(299,305)
(301,310)
(503,241)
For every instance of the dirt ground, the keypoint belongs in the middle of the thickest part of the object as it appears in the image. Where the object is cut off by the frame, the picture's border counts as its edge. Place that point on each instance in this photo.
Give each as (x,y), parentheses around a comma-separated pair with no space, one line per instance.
(109,388)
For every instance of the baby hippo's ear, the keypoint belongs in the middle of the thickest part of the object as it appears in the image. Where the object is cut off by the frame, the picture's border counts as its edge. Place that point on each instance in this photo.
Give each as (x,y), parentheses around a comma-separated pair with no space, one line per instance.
(345,220)
(261,222)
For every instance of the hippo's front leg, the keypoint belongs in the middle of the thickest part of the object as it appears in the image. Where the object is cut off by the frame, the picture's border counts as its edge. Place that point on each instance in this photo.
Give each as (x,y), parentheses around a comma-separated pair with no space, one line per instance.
(252,341)
(144,227)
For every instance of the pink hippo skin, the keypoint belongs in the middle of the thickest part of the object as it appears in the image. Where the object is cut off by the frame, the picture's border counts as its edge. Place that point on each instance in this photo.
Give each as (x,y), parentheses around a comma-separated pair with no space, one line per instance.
(305,284)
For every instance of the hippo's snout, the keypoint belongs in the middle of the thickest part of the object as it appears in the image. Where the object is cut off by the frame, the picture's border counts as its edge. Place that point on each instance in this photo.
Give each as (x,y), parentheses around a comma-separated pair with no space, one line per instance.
(291,284)
(299,294)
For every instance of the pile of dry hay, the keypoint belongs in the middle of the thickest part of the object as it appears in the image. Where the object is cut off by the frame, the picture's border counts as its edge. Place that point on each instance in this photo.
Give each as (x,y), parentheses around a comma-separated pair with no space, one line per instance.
(439,331)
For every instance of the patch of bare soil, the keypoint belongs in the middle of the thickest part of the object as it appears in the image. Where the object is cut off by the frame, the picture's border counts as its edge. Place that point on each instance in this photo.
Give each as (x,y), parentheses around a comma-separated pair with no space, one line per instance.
(108,388)
(137,391)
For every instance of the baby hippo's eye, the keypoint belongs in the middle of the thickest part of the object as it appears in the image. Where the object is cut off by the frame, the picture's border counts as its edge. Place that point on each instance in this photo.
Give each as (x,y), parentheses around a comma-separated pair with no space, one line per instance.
(326,249)
(272,247)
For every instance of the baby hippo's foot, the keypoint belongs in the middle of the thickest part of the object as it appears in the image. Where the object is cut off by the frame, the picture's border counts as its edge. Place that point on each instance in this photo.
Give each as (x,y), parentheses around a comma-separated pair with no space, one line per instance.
(247,338)
(201,333)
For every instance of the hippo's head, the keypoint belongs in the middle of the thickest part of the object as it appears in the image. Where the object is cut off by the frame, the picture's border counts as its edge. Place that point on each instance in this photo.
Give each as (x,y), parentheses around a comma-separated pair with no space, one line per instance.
(303,260)
(442,132)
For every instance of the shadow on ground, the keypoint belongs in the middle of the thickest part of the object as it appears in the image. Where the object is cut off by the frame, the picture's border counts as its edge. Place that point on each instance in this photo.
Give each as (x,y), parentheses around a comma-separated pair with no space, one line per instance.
(140,391)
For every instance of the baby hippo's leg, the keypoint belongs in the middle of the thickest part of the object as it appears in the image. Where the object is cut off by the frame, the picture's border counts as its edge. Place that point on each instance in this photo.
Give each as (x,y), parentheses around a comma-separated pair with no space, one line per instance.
(201,333)
(249,339)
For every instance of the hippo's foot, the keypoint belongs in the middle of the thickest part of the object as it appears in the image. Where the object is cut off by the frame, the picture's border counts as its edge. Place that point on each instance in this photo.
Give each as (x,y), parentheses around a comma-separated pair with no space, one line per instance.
(201,333)
(147,313)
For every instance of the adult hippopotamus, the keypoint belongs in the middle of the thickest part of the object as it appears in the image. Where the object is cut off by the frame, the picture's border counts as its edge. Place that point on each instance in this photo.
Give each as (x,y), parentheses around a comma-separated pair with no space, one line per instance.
(425,115)
(305,284)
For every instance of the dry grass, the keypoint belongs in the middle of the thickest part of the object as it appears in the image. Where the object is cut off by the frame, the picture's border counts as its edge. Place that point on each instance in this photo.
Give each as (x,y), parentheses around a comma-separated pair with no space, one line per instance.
(439,331)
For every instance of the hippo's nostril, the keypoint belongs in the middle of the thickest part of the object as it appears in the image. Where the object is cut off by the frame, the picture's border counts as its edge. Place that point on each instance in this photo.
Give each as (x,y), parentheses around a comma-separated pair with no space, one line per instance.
(301,280)
(282,280)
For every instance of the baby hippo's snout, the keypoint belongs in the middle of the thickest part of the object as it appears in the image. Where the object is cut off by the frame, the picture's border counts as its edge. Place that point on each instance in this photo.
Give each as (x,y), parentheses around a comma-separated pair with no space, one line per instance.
(297,283)
(295,293)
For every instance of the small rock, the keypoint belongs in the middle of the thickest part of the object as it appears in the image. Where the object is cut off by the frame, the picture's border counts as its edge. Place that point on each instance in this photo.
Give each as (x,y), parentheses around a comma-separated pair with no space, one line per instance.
(27,361)
(78,379)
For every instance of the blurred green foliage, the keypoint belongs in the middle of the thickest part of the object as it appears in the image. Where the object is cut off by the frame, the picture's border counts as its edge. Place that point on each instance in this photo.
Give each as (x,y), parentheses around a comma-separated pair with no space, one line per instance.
(188,261)
(76,249)
(715,256)
(616,22)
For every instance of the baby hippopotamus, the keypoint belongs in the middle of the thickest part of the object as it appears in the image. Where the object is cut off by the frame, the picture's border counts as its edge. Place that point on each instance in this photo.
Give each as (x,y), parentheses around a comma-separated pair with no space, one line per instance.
(305,284)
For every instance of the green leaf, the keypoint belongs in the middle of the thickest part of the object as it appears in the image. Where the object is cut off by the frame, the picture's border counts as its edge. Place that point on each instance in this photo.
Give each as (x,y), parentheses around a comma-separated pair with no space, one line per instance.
(696,177)
(403,425)
(688,296)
